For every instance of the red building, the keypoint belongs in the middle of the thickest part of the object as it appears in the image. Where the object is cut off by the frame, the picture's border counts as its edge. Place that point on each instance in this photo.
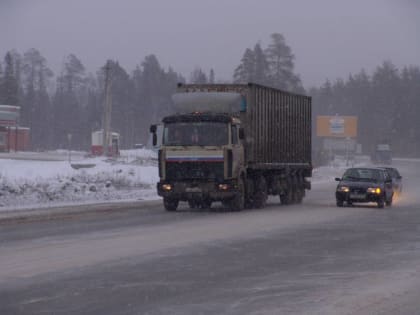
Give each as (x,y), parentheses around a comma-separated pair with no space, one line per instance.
(97,147)
(12,136)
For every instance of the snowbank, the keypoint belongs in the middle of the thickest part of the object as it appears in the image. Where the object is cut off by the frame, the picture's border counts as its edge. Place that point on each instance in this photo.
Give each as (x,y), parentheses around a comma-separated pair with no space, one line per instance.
(28,183)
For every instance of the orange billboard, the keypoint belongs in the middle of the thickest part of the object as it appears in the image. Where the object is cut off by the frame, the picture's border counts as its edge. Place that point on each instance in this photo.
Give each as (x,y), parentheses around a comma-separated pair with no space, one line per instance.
(336,126)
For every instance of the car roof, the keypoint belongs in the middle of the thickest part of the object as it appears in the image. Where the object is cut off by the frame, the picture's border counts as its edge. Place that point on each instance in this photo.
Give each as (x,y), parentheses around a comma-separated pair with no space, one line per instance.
(365,168)
(392,169)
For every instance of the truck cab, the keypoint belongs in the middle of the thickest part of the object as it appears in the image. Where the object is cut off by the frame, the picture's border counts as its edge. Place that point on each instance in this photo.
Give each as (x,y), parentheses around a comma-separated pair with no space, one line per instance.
(200,158)
(382,154)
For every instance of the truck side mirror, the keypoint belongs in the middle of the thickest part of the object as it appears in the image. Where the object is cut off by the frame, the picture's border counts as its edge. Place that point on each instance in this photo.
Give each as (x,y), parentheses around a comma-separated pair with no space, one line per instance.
(153,129)
(154,140)
(241,133)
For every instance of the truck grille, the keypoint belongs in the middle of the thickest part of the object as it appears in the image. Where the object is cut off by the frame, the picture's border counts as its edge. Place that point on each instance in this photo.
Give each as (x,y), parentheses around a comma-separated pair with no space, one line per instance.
(194,170)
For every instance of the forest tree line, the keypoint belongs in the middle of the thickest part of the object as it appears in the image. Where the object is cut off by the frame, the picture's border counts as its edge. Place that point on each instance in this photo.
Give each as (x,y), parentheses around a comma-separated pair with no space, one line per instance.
(387,101)
(72,102)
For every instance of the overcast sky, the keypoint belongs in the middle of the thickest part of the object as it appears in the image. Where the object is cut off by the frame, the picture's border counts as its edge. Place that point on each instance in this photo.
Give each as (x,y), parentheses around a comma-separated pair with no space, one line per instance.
(330,38)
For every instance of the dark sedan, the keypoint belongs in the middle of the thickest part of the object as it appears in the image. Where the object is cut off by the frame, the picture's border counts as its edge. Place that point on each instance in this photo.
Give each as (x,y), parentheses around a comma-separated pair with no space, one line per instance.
(364,184)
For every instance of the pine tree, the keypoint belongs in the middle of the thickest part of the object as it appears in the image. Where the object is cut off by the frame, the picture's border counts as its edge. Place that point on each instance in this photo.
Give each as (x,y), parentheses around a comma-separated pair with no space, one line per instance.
(198,76)
(36,107)
(281,64)
(1,84)
(385,87)
(245,72)
(123,114)
(10,89)
(261,66)
(67,104)
(212,78)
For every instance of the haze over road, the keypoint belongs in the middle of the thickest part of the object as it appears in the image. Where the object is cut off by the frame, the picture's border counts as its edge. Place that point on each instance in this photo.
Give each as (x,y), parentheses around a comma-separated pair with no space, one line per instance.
(312,258)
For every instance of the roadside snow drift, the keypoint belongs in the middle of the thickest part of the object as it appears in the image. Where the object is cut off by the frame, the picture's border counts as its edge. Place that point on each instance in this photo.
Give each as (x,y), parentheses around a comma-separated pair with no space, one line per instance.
(31,183)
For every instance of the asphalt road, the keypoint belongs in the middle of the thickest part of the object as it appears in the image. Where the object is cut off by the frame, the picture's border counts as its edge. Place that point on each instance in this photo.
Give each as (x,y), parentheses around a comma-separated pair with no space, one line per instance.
(312,258)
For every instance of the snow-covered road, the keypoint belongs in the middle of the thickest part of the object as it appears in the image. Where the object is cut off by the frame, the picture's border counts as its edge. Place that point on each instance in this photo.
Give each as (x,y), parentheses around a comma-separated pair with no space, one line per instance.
(312,258)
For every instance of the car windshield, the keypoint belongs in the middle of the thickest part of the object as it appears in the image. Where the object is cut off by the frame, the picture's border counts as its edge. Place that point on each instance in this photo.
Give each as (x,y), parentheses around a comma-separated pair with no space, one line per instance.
(196,133)
(362,174)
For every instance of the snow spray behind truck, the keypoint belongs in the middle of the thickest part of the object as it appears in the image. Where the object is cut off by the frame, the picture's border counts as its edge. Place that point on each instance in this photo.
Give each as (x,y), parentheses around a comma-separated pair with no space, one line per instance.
(234,143)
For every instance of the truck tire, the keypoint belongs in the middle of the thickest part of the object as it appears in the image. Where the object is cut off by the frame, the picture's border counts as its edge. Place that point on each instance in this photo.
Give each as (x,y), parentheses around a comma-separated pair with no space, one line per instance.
(260,195)
(299,194)
(286,198)
(238,202)
(170,204)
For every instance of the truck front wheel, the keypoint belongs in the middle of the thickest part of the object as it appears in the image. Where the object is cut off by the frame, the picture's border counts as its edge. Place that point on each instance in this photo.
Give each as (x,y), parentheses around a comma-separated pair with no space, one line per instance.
(238,202)
(170,204)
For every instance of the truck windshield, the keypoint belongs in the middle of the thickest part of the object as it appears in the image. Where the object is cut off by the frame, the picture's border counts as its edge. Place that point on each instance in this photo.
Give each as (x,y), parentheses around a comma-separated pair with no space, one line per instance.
(196,133)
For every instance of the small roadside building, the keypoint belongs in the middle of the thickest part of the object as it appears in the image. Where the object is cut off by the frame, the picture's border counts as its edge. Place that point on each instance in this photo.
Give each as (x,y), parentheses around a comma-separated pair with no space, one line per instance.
(12,136)
(97,147)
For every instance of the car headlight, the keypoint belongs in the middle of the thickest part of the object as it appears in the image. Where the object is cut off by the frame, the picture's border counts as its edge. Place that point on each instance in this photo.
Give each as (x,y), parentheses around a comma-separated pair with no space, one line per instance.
(343,189)
(374,190)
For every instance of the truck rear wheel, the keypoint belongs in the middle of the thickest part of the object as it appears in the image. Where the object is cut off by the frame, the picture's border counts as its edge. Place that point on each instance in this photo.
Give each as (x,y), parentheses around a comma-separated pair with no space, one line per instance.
(260,196)
(299,194)
(238,202)
(286,198)
(170,204)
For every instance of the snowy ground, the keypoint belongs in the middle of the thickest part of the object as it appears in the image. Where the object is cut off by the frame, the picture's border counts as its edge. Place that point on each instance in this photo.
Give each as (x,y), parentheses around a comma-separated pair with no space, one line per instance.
(31,180)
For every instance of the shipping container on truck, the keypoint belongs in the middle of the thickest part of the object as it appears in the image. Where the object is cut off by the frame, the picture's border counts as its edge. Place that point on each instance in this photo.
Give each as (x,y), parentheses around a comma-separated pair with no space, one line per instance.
(271,157)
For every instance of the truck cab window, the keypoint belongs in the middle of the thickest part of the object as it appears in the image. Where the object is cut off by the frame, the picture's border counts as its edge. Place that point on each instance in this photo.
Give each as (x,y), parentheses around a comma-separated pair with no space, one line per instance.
(206,133)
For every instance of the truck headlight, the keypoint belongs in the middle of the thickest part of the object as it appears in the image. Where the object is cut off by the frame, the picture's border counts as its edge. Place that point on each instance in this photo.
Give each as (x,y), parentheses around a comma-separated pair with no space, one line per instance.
(223,186)
(167,187)
(374,190)
(343,189)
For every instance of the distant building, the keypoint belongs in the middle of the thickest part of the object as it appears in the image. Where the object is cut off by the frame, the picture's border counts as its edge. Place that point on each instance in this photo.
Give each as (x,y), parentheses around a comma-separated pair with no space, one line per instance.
(12,136)
(97,147)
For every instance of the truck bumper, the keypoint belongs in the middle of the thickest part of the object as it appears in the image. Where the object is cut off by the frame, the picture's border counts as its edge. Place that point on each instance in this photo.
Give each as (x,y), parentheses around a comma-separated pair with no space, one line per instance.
(195,191)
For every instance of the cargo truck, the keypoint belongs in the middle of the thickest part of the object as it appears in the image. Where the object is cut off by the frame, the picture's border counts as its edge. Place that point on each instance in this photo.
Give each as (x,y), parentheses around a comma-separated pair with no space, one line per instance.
(382,154)
(234,143)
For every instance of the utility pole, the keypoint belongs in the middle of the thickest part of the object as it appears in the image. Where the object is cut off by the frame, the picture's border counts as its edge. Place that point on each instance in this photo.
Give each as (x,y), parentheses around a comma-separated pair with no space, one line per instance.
(106,122)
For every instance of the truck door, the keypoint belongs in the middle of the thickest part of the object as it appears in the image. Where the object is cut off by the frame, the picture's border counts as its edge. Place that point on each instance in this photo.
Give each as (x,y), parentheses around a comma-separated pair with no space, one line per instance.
(237,150)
